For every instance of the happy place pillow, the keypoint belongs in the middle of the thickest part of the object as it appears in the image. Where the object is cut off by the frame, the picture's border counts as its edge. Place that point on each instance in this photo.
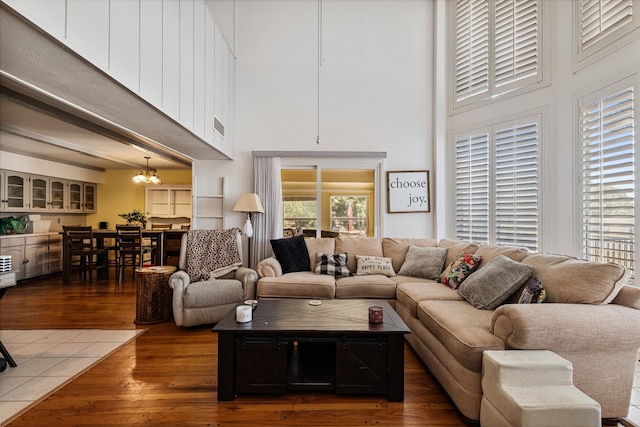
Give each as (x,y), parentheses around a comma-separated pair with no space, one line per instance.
(424,262)
(333,265)
(292,254)
(374,265)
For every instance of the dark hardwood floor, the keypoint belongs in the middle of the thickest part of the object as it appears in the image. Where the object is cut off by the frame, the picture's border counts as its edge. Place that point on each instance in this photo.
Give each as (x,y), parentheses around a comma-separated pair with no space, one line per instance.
(167,376)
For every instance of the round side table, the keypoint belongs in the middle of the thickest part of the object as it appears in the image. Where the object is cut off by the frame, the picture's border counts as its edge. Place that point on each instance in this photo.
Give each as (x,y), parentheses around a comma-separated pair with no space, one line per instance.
(153,294)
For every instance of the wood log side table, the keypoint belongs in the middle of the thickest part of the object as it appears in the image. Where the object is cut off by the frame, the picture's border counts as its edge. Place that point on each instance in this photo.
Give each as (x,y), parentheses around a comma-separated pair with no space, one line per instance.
(153,295)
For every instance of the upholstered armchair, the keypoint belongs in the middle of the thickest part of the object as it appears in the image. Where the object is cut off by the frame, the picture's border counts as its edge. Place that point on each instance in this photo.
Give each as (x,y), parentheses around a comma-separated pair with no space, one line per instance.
(212,282)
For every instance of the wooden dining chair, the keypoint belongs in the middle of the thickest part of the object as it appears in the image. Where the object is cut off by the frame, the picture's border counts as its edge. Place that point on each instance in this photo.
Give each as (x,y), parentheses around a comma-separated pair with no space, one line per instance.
(82,255)
(128,249)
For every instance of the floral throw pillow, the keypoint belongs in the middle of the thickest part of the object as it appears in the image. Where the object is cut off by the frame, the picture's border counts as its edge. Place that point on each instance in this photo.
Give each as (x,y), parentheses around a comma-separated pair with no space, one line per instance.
(464,264)
(333,265)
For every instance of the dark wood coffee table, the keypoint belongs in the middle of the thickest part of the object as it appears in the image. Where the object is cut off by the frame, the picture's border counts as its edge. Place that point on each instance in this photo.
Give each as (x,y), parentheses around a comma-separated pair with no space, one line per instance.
(292,345)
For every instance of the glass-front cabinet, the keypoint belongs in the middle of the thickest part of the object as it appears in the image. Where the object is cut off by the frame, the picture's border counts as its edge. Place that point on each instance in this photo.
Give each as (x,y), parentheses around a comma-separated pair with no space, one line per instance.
(75,196)
(58,194)
(90,198)
(14,191)
(23,192)
(39,193)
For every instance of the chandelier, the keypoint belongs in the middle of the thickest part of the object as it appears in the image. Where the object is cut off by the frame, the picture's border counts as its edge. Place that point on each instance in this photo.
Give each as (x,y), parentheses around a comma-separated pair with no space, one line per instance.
(148,176)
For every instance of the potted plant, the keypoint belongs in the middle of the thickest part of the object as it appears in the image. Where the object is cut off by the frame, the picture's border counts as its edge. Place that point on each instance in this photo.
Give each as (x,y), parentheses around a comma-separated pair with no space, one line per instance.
(135,216)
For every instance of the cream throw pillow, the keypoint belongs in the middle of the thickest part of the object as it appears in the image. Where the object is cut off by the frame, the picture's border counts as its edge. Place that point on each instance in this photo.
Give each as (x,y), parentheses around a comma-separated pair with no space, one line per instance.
(374,265)
(424,262)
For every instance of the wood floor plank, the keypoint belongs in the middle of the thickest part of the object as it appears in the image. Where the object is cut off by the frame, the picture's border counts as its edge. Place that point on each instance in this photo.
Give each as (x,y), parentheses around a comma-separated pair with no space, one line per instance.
(167,376)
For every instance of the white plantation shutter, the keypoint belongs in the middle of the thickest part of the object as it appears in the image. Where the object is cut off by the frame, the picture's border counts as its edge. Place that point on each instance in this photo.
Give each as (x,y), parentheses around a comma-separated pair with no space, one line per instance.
(472,188)
(603,18)
(516,185)
(472,48)
(516,41)
(608,183)
(497,47)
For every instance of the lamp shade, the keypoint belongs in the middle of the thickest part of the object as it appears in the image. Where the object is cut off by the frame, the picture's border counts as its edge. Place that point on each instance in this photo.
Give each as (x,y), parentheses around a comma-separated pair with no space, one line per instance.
(248,202)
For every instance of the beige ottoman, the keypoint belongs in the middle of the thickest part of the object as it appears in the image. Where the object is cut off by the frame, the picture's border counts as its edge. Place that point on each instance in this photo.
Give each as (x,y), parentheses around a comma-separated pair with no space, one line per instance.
(533,388)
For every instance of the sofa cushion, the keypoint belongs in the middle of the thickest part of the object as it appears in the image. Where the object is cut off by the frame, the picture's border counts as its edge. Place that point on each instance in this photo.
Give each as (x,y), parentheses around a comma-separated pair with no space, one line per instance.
(456,247)
(489,252)
(498,280)
(374,265)
(373,286)
(409,294)
(423,262)
(332,265)
(212,293)
(459,269)
(326,245)
(292,254)
(570,280)
(396,249)
(462,329)
(303,284)
(353,246)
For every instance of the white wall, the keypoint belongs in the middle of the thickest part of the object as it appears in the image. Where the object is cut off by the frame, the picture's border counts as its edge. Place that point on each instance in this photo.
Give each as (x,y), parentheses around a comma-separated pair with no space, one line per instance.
(375,88)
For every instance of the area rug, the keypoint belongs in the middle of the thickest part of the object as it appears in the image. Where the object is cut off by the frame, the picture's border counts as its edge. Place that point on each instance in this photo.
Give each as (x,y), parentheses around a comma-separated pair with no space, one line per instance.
(49,358)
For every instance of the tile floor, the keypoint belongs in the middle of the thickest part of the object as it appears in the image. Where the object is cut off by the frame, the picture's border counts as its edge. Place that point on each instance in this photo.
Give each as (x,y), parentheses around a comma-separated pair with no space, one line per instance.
(48,358)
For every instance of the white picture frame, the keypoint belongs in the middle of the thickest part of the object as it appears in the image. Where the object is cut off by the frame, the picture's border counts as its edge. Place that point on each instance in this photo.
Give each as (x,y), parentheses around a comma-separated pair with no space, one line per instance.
(408,191)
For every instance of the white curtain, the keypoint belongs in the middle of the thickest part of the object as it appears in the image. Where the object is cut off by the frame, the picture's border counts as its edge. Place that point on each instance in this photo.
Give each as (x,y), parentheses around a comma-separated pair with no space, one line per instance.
(267,185)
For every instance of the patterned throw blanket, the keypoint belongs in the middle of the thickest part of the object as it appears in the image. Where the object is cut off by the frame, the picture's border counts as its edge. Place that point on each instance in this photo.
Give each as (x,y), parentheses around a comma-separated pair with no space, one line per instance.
(210,252)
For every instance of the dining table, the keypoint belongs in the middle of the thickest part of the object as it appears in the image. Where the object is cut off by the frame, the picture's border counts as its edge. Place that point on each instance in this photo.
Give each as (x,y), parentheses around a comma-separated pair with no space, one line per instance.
(100,237)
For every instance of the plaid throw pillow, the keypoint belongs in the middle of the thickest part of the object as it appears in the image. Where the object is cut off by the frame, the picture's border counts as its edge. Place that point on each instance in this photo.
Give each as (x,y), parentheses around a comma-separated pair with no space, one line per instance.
(333,265)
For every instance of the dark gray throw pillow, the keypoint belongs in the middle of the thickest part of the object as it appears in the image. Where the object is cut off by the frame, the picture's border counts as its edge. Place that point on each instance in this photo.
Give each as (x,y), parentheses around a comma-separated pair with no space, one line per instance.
(292,254)
(494,283)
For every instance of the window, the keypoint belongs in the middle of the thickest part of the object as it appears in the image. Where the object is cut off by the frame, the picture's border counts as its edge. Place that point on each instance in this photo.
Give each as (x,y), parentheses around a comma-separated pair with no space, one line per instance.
(497,47)
(497,174)
(608,175)
(602,22)
(343,205)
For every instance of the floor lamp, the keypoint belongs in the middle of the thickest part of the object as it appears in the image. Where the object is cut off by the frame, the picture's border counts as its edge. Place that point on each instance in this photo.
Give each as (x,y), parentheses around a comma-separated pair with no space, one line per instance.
(248,203)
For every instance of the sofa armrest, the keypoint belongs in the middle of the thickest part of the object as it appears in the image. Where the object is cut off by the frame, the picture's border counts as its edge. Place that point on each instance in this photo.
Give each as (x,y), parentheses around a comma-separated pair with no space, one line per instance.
(269,267)
(249,278)
(628,296)
(567,327)
(178,281)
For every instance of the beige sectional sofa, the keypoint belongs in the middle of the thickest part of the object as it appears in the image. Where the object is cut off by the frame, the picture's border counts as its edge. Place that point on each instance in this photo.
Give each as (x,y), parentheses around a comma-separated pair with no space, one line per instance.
(589,316)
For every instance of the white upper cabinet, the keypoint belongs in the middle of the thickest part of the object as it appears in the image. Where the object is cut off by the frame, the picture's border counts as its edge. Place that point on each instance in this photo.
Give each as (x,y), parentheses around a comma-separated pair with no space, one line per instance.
(171,53)
(47,14)
(186,63)
(200,44)
(88,30)
(124,43)
(151,51)
(171,58)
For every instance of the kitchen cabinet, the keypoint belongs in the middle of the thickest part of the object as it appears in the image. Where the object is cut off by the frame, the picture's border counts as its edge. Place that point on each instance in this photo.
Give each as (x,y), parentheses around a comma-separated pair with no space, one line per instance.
(14,191)
(33,255)
(168,201)
(90,197)
(14,246)
(47,194)
(23,192)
